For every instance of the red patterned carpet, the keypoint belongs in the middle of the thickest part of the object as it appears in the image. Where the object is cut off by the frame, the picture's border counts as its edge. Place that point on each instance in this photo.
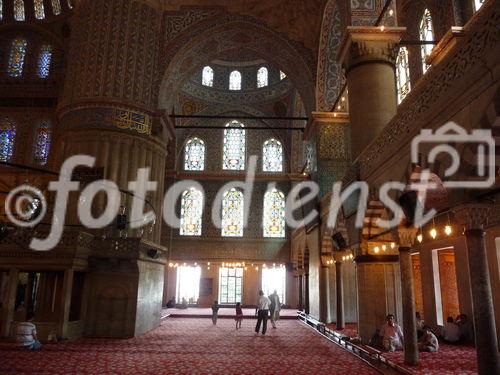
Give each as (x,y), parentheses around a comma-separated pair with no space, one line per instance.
(191,346)
(449,360)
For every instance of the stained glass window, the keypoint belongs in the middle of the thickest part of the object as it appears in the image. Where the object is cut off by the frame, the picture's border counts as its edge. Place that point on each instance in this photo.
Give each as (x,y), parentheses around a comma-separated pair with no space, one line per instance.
(272,156)
(230,284)
(426,35)
(70,4)
(42,143)
(478,4)
(7,139)
(207,78)
(274,214)
(44,60)
(282,75)
(19,14)
(191,212)
(194,155)
(402,74)
(39,9)
(235,80)
(234,148)
(232,213)
(262,77)
(17,57)
(1,9)
(56,7)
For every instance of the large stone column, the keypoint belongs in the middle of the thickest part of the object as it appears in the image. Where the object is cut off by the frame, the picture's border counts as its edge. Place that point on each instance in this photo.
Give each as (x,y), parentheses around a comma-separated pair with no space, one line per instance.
(301,291)
(406,240)
(474,217)
(66,302)
(340,324)
(10,301)
(323,293)
(369,54)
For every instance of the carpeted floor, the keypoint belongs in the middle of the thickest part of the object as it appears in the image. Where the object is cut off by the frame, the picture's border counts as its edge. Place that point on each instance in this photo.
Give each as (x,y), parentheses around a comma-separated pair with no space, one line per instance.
(224,312)
(191,346)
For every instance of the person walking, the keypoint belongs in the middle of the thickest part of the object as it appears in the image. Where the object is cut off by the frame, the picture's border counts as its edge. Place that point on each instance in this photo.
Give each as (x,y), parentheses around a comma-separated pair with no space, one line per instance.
(275,308)
(262,312)
(215,311)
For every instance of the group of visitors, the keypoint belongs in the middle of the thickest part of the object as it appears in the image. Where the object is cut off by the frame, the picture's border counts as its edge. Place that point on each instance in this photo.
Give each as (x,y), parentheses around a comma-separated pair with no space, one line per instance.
(459,330)
(267,307)
(391,336)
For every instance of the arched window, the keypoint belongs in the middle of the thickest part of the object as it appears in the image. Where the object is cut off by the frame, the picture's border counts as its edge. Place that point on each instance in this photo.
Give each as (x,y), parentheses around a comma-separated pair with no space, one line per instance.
(426,35)
(194,155)
(191,212)
(42,143)
(207,78)
(19,14)
(1,10)
(478,4)
(272,156)
(232,213)
(17,57)
(7,139)
(56,7)
(70,4)
(282,75)
(39,9)
(262,77)
(402,74)
(44,60)
(234,148)
(274,214)
(235,80)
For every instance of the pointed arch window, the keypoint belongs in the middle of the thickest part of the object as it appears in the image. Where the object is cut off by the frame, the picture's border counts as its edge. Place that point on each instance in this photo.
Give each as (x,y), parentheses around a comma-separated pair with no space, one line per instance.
(282,75)
(70,4)
(235,80)
(44,60)
(426,35)
(1,10)
(191,212)
(403,74)
(272,156)
(194,155)
(262,77)
(478,4)
(42,143)
(234,147)
(274,214)
(7,139)
(19,13)
(17,57)
(56,7)
(39,9)
(207,78)
(232,213)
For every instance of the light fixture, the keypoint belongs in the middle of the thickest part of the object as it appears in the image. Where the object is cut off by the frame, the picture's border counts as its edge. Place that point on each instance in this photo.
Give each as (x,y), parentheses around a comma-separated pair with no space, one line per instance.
(382,28)
(208,263)
(393,245)
(447,230)
(384,248)
(376,249)
(391,12)
(420,238)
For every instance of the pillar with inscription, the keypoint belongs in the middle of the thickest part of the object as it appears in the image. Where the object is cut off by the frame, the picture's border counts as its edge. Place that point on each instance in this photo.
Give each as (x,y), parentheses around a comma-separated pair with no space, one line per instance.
(368,55)
(406,240)
(474,218)
(108,111)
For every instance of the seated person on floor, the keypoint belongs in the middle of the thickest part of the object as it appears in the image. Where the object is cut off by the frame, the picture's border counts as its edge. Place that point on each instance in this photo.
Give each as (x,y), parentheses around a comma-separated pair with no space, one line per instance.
(420,324)
(428,342)
(466,328)
(171,302)
(184,304)
(451,332)
(391,334)
(26,334)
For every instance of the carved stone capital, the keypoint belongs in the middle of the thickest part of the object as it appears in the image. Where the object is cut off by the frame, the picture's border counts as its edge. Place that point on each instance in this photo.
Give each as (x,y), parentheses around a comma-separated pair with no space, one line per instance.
(473,215)
(406,236)
(364,44)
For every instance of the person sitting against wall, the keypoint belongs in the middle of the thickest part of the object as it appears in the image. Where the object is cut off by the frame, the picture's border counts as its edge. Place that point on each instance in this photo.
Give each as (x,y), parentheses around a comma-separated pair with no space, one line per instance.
(428,342)
(466,328)
(451,332)
(391,334)
(26,336)
(171,302)
(419,322)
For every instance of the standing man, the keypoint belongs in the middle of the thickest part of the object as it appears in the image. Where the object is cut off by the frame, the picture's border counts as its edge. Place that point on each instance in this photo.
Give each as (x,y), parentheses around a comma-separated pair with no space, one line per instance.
(275,307)
(262,311)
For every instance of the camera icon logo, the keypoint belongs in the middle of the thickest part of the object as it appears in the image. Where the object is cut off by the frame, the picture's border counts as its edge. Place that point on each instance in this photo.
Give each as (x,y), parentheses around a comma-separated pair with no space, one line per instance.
(478,145)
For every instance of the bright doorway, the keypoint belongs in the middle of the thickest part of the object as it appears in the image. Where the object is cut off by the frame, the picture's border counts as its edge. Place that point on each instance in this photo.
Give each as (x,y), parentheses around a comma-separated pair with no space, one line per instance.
(188,284)
(274,279)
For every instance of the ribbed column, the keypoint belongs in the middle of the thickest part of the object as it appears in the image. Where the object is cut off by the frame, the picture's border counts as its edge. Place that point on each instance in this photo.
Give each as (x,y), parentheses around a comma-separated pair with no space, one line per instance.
(369,54)
(474,218)
(407,237)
